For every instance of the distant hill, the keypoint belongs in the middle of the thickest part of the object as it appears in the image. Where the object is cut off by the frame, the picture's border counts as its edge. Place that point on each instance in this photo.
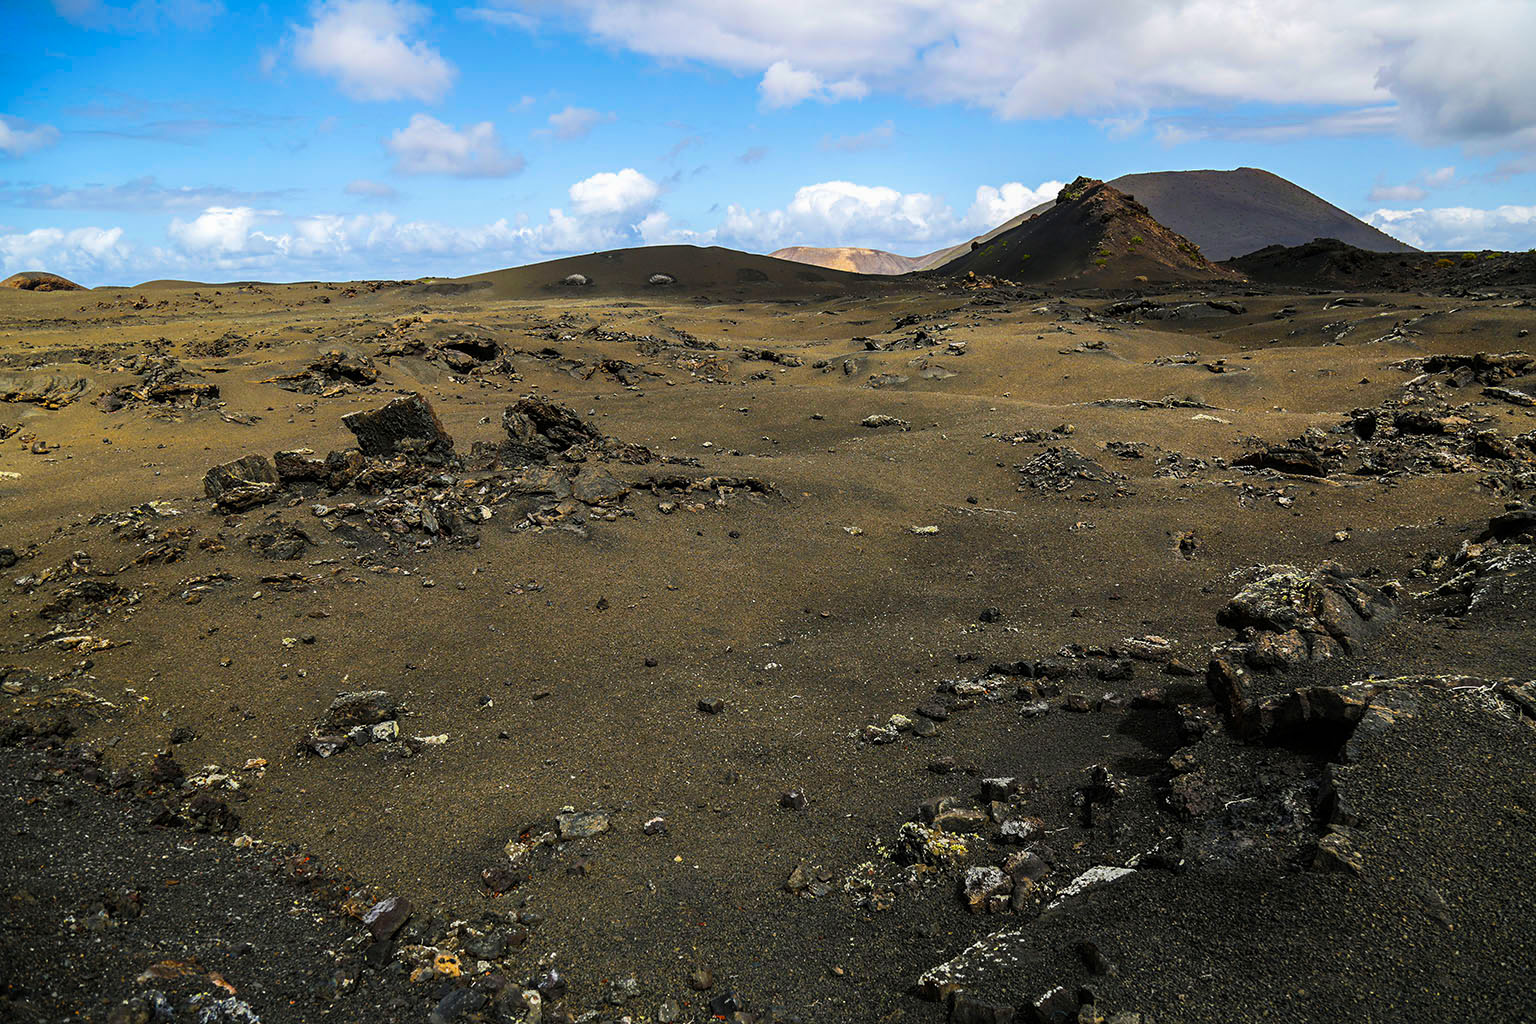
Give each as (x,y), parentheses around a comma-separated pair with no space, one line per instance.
(661,268)
(854,260)
(38,281)
(1093,235)
(1226,213)
(1331,264)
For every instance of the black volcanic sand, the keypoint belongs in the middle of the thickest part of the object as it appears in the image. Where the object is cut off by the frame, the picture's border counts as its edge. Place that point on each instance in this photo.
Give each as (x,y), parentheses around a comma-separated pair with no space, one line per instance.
(565,666)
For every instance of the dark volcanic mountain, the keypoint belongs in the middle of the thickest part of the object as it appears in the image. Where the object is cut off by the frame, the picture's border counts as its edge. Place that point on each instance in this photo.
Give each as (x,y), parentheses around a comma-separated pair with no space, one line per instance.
(1330,263)
(1093,235)
(1227,213)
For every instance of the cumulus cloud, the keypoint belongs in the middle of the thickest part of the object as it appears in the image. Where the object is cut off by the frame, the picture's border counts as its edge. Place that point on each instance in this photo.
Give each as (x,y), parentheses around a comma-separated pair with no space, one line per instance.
(71,252)
(428,146)
(784,85)
(225,231)
(841,213)
(18,137)
(364,45)
(576,122)
(614,194)
(1460,227)
(1446,71)
(1000,204)
(606,210)
(845,213)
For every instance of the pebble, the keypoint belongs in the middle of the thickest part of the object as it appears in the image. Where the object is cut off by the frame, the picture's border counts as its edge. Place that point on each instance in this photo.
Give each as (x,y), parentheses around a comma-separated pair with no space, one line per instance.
(711,705)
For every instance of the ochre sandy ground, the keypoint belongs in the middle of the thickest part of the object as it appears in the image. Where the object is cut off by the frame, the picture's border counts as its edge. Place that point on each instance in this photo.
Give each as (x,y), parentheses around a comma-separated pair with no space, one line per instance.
(529,651)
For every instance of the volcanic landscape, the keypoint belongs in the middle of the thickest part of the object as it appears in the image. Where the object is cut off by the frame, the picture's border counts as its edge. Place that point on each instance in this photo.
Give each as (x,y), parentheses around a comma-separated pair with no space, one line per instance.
(1079,630)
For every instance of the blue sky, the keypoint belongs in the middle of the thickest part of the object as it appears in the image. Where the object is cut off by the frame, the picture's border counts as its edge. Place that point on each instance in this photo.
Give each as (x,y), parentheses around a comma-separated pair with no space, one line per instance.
(374,138)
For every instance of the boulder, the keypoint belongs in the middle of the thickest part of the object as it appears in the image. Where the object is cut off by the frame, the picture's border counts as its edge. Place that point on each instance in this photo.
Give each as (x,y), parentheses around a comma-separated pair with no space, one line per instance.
(244,483)
(536,426)
(405,426)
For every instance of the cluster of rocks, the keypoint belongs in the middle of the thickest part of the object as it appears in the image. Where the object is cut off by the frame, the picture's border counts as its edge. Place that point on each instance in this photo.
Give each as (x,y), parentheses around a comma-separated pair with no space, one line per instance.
(468,351)
(1489,575)
(1422,430)
(335,372)
(163,382)
(551,460)
(1061,468)
(1137,310)
(1073,680)
(52,393)
(359,718)
(1288,618)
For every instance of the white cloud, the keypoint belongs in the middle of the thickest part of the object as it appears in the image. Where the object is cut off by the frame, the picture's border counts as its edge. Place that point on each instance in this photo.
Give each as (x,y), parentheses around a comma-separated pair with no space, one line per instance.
(784,85)
(657,229)
(73,252)
(995,206)
(363,45)
(614,194)
(225,231)
(845,213)
(1460,227)
(577,122)
(839,213)
(1455,71)
(608,210)
(428,146)
(18,137)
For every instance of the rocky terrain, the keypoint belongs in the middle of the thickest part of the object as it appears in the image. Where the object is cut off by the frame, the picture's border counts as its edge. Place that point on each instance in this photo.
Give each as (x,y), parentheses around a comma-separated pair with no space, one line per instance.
(681,635)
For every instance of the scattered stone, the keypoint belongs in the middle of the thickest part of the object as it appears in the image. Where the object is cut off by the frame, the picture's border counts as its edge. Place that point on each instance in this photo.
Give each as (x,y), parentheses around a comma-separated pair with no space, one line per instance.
(1337,853)
(985,890)
(582,824)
